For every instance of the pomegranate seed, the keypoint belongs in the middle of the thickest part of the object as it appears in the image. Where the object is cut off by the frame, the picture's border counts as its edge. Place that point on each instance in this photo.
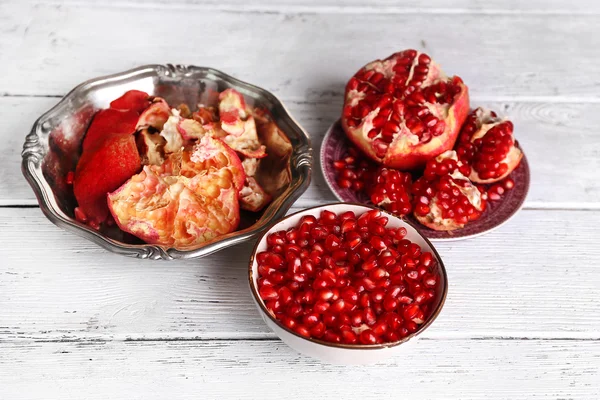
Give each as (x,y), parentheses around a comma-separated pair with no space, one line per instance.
(302,330)
(318,330)
(70,177)
(368,337)
(349,337)
(268,293)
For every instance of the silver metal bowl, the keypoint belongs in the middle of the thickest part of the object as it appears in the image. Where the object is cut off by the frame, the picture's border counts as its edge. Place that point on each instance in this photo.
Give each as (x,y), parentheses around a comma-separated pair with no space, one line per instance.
(52,149)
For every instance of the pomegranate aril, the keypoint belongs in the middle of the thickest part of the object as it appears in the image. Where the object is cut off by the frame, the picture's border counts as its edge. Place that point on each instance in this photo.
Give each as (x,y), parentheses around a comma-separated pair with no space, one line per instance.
(367,337)
(348,337)
(330,336)
(302,330)
(369,316)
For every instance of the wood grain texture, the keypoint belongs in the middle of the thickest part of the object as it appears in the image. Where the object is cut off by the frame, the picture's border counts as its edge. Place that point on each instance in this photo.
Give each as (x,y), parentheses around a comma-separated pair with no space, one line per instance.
(429,369)
(563,164)
(538,277)
(298,55)
(355,6)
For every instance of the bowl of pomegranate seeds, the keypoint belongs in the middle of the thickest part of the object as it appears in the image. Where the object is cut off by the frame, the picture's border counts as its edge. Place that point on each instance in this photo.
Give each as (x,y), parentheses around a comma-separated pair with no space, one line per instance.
(347,283)
(167,162)
(408,142)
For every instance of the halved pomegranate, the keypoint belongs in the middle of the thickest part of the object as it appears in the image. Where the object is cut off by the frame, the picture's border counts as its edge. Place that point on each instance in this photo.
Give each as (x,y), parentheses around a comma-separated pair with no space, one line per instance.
(447,201)
(486,143)
(403,110)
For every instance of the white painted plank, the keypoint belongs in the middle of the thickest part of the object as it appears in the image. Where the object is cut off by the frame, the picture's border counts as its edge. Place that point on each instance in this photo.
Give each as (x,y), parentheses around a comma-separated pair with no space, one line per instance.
(356,6)
(297,55)
(429,369)
(535,277)
(563,151)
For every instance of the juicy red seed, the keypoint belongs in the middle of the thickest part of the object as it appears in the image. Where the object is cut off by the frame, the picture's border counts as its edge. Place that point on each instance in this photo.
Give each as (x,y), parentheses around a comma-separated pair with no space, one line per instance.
(268,293)
(426,259)
(350,295)
(330,336)
(294,310)
(310,319)
(321,306)
(369,316)
(390,303)
(288,322)
(337,306)
(380,328)
(318,330)
(349,337)
(411,312)
(302,330)
(368,337)
(370,264)
(328,217)
(70,177)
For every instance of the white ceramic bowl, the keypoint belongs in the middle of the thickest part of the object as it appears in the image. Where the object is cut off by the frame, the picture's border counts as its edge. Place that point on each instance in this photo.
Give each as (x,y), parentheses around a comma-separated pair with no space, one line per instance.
(333,352)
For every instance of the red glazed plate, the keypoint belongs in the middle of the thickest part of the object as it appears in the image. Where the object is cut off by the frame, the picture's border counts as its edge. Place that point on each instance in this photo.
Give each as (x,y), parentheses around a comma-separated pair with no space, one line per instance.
(497,213)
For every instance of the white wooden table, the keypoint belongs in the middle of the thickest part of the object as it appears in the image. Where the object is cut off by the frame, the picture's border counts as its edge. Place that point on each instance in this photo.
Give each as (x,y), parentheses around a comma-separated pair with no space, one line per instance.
(522,318)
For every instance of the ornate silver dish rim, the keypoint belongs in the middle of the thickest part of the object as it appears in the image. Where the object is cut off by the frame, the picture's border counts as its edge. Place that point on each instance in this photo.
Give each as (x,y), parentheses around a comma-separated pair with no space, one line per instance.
(34,151)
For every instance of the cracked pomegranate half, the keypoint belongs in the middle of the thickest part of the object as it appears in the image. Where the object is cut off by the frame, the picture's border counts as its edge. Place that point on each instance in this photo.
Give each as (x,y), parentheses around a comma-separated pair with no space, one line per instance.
(445,199)
(404,110)
(487,144)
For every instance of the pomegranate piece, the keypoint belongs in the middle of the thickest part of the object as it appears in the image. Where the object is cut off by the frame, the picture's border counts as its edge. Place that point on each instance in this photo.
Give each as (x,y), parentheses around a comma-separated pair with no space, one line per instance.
(176,205)
(239,125)
(486,143)
(253,197)
(101,170)
(339,291)
(404,110)
(134,100)
(205,115)
(273,172)
(392,191)
(446,201)
(155,116)
(190,129)
(109,122)
(151,147)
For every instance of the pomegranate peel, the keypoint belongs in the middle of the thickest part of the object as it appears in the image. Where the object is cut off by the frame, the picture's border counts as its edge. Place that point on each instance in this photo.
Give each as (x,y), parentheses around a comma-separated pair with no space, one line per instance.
(239,125)
(134,100)
(117,154)
(155,116)
(109,122)
(403,110)
(253,197)
(190,129)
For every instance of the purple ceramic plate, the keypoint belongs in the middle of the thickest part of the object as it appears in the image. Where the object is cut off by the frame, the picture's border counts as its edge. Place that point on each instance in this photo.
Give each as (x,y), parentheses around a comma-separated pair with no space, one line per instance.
(497,213)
